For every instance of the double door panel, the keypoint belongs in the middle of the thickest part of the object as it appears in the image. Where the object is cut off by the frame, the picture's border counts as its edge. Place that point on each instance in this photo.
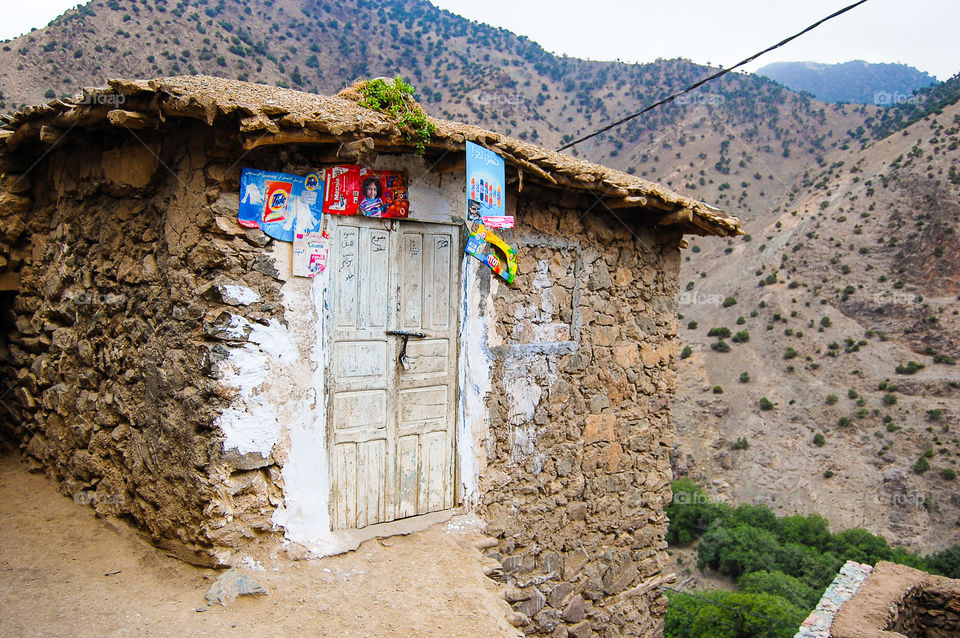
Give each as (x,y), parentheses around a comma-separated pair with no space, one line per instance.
(391,422)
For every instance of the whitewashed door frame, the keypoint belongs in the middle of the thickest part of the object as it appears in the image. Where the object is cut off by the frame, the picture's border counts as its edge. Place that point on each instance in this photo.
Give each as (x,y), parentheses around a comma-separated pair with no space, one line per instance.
(378,412)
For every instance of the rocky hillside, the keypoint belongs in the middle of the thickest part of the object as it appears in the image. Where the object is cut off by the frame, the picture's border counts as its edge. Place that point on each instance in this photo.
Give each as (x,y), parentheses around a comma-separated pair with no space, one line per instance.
(821,373)
(856,81)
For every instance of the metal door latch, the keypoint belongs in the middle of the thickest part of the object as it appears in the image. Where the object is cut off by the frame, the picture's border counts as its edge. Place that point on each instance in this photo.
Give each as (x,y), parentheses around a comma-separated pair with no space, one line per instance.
(405,360)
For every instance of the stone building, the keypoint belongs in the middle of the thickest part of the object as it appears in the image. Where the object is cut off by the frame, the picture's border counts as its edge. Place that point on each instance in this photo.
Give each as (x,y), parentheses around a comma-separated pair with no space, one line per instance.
(161,363)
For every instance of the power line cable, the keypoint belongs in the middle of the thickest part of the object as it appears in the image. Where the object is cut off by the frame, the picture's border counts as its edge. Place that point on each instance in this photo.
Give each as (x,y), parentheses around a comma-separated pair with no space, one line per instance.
(720,73)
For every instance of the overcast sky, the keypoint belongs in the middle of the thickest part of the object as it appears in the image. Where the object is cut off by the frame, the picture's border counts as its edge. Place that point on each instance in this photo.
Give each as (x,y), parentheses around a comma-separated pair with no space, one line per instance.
(922,33)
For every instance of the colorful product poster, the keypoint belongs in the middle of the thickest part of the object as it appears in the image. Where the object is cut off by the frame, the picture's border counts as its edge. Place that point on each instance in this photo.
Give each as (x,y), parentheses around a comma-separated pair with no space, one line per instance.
(489,248)
(310,253)
(280,204)
(486,198)
(354,190)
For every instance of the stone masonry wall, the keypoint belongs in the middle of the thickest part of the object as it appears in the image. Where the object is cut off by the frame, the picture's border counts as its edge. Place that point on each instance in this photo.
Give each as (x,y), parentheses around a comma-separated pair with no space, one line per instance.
(124,249)
(578,468)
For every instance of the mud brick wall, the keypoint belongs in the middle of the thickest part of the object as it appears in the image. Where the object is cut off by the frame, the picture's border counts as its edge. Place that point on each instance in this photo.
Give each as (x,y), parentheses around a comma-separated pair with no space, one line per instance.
(896,600)
(124,250)
(578,467)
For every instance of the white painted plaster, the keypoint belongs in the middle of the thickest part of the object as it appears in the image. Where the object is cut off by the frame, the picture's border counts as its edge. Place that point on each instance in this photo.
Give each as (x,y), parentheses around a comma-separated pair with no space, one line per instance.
(251,424)
(239,295)
(305,514)
(236,327)
(475,365)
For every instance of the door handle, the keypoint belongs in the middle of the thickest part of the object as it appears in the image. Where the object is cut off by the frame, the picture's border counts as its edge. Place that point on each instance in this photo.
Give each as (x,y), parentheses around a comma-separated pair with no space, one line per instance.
(405,360)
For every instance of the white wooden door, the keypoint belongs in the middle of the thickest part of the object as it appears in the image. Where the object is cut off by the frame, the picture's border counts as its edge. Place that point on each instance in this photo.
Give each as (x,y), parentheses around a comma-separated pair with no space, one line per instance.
(391,427)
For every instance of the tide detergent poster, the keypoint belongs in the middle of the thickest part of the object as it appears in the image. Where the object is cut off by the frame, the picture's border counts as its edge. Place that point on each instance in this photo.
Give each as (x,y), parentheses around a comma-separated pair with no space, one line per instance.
(486,197)
(280,204)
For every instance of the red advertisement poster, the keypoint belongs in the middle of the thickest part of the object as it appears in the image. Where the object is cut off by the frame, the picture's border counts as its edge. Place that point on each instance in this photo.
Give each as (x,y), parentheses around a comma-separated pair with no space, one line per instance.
(342,192)
(352,190)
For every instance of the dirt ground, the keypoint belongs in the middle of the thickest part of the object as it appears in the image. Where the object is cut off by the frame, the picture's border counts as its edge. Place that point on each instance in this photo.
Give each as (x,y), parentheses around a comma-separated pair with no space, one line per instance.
(64,572)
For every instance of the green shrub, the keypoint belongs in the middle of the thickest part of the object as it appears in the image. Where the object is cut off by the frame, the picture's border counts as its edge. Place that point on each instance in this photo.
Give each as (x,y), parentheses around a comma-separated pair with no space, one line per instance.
(719,332)
(717,389)
(729,301)
(889,399)
(922,465)
(741,443)
(720,346)
(946,562)
(934,415)
(396,99)
(692,325)
(686,352)
(719,613)
(948,473)
(691,512)
(744,377)
(910,368)
(831,399)
(791,353)
(742,336)
(844,421)
(779,584)
(765,404)
(819,440)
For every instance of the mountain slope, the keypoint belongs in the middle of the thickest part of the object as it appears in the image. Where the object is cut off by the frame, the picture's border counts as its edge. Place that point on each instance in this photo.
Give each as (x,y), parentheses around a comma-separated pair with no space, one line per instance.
(856,81)
(719,144)
(860,274)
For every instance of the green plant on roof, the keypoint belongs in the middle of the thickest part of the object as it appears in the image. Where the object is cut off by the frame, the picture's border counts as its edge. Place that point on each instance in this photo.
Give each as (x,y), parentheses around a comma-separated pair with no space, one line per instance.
(396,99)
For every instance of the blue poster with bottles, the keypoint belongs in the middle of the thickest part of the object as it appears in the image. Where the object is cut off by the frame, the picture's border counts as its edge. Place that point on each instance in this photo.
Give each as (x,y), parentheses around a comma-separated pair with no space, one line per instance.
(280,204)
(486,197)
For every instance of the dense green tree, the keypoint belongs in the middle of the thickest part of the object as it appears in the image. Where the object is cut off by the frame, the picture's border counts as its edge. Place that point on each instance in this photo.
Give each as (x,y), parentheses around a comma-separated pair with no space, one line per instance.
(813,530)
(777,583)
(737,550)
(946,562)
(724,614)
(691,512)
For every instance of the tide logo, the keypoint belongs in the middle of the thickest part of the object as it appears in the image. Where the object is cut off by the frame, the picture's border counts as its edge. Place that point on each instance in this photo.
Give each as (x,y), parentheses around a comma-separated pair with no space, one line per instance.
(278,195)
(278,201)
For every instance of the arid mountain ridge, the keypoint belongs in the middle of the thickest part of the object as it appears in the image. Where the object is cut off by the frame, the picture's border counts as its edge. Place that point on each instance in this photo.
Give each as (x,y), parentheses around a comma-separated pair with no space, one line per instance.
(808,180)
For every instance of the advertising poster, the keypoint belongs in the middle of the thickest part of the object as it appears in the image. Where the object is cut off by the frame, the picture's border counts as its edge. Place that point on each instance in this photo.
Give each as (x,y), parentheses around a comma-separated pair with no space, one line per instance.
(486,198)
(489,248)
(310,253)
(280,204)
(353,190)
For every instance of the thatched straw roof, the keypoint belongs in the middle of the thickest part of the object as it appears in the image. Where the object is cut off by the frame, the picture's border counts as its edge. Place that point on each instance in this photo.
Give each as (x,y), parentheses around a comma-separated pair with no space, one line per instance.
(265,116)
